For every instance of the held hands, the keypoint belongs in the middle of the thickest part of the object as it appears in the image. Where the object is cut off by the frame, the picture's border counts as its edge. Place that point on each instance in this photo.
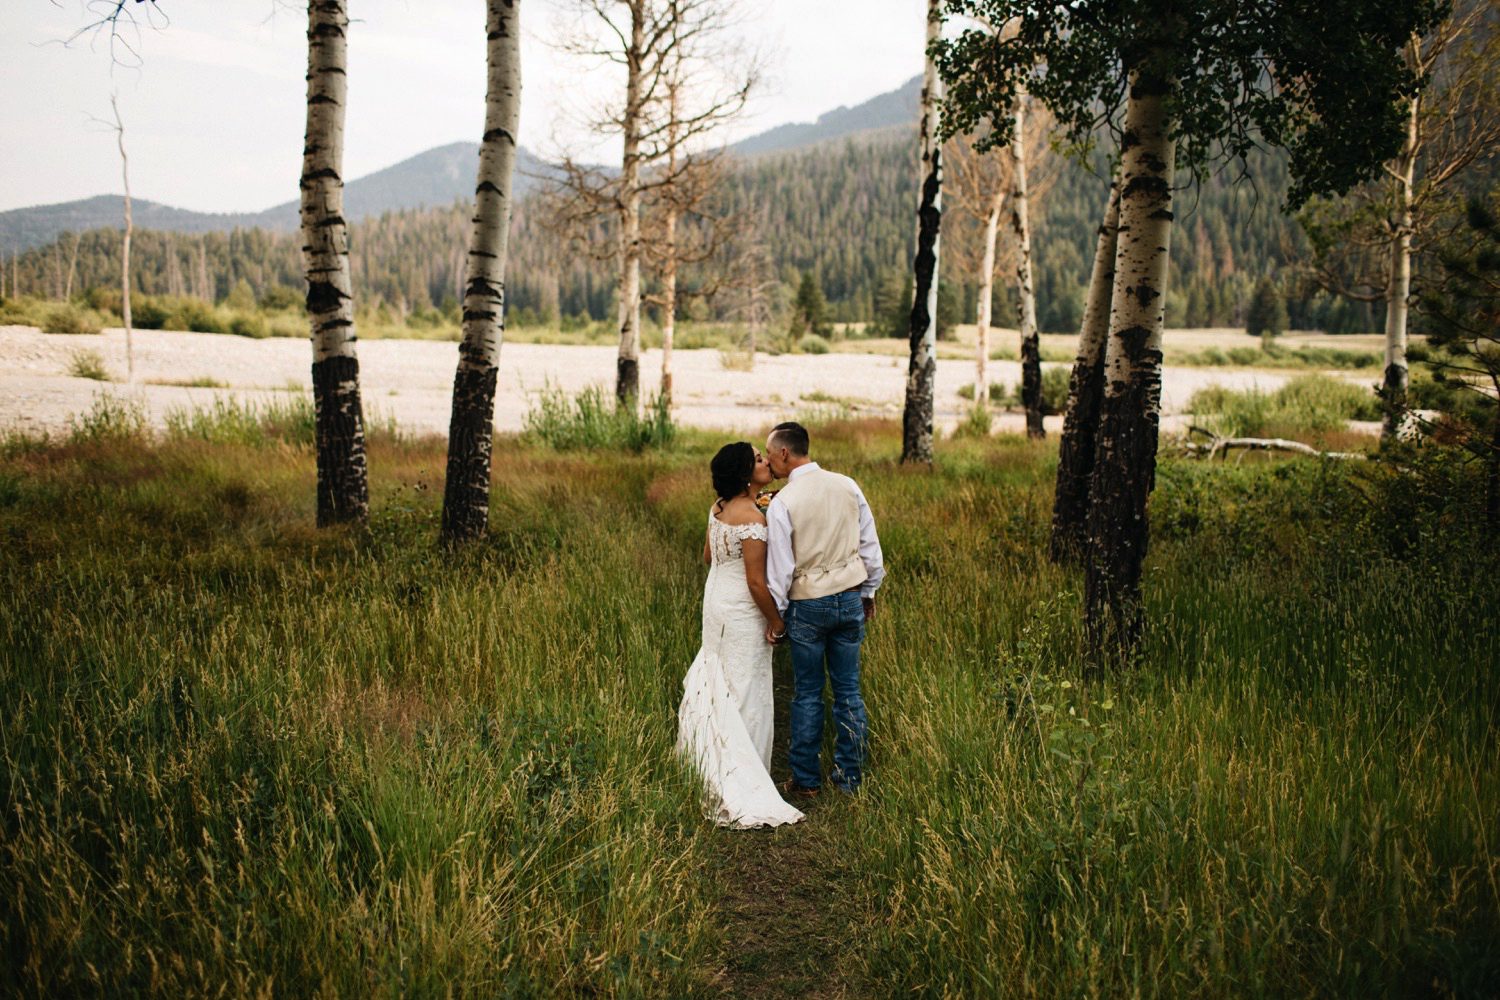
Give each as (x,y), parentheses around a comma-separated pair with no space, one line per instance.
(776,633)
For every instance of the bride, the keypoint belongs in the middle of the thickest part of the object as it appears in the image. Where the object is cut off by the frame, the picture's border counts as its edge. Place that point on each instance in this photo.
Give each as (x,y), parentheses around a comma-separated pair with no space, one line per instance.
(725,722)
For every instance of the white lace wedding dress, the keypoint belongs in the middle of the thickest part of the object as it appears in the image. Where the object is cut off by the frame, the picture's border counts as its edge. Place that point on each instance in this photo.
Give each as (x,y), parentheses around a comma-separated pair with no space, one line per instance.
(726,720)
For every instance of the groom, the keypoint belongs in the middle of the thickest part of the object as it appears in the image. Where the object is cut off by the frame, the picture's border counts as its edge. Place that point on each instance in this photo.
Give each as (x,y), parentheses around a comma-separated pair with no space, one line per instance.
(823,566)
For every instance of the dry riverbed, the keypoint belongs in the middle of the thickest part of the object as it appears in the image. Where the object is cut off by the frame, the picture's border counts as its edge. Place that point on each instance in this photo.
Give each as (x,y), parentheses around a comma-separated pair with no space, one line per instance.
(410,381)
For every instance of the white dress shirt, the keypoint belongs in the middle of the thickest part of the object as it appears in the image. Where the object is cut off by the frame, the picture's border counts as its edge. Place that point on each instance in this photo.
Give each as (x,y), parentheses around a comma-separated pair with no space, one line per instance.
(781,563)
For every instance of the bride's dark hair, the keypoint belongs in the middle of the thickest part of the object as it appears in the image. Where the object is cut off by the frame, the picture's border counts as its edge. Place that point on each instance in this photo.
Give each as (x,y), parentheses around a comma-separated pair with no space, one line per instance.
(732,468)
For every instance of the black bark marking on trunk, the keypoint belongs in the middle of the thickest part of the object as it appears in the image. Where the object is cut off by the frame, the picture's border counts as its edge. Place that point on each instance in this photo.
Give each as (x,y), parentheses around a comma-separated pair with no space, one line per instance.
(627,381)
(1162,213)
(1031,386)
(487,187)
(499,133)
(1155,188)
(1393,398)
(323,297)
(1143,293)
(916,418)
(466,496)
(343,484)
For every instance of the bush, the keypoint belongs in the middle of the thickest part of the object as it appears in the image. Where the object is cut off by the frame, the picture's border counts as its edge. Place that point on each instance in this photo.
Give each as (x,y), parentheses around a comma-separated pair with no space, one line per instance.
(68,318)
(976,424)
(281,297)
(251,325)
(231,421)
(998,394)
(109,419)
(88,364)
(1055,389)
(1306,404)
(149,313)
(592,419)
(813,344)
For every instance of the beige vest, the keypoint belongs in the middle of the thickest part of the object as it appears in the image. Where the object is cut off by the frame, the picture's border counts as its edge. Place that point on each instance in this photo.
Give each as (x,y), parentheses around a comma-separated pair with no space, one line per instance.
(824,511)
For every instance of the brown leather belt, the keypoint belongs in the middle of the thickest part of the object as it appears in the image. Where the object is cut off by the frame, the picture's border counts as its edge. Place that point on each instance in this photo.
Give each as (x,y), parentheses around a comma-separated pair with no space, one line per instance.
(852,590)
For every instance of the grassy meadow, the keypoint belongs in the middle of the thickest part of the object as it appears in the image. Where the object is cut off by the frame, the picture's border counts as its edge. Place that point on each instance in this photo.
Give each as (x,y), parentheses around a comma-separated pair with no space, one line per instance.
(244,756)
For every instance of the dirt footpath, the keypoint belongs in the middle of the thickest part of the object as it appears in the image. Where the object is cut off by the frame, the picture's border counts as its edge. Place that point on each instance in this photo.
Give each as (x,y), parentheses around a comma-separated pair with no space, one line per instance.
(411,380)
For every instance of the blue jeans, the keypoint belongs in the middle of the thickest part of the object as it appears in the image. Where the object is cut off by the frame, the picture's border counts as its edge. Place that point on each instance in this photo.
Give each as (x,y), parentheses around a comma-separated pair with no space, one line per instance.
(827,630)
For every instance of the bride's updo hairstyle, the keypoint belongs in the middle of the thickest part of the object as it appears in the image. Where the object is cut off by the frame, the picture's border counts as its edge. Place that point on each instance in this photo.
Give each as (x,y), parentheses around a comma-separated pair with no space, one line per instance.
(732,468)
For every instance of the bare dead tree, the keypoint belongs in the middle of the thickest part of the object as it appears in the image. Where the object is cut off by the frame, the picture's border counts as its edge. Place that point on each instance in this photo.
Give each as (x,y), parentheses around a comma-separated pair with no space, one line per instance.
(682,82)
(119,129)
(118,23)
(751,295)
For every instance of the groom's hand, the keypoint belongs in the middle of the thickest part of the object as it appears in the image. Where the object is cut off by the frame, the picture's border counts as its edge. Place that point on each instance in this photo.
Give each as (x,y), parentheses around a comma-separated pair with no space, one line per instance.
(775,638)
(869,603)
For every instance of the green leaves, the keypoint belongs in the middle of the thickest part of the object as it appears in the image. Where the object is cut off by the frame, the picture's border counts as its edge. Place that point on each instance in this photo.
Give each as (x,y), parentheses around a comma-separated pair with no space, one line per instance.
(1325,81)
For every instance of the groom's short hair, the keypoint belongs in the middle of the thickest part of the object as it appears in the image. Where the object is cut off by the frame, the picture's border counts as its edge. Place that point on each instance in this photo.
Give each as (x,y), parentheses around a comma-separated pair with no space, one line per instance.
(792,436)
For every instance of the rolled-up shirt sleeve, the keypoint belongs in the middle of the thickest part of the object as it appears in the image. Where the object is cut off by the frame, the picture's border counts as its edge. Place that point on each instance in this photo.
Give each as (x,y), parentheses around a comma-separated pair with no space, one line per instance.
(781,563)
(869,548)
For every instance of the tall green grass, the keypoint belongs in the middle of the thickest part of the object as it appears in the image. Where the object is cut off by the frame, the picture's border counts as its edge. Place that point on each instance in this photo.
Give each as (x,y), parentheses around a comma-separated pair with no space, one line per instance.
(592,419)
(243,755)
(1307,404)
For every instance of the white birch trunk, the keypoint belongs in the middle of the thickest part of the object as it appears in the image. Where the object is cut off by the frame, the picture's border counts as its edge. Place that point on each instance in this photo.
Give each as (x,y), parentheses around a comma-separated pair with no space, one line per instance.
(343,483)
(669,306)
(986,295)
(125,247)
(921,376)
(1396,378)
(1125,463)
(628,365)
(669,265)
(1020,220)
(466,495)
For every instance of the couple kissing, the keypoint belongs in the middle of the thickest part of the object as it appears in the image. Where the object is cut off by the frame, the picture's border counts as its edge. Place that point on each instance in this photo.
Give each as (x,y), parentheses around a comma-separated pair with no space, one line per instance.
(803,572)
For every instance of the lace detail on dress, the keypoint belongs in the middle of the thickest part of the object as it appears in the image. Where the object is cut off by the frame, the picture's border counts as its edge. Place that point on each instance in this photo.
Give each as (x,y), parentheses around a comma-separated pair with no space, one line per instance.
(725,539)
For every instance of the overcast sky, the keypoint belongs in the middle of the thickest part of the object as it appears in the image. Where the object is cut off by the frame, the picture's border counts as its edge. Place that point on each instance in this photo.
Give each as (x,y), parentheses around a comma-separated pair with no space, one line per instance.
(214,110)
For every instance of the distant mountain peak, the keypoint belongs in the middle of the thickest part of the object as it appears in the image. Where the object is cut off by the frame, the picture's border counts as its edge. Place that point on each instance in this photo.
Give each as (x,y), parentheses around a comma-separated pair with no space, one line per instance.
(894,107)
(430,179)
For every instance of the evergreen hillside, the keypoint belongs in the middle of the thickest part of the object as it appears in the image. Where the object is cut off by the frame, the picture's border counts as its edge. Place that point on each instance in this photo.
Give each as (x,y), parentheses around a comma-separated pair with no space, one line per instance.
(841,209)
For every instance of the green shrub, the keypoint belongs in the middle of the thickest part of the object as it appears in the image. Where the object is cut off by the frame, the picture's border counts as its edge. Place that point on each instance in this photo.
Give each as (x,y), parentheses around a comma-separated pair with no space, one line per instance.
(1306,404)
(997,391)
(976,423)
(228,420)
(197,317)
(251,325)
(1325,403)
(68,318)
(592,419)
(109,419)
(88,364)
(280,297)
(812,343)
(1055,389)
(149,312)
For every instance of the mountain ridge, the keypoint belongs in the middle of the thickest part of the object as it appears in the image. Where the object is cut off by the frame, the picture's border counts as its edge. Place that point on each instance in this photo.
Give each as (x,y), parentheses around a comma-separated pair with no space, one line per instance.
(430,179)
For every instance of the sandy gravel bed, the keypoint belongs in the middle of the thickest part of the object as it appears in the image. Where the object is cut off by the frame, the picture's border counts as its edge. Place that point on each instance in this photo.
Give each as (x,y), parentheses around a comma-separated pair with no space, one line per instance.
(411,380)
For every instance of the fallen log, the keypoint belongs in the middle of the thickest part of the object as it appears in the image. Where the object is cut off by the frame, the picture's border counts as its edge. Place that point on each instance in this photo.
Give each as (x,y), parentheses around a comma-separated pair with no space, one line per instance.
(1221,446)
